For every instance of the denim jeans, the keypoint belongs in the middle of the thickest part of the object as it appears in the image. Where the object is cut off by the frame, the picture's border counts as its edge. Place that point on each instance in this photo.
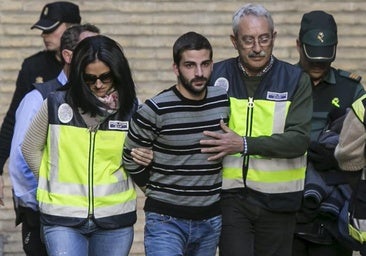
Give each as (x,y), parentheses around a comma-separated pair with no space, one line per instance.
(169,236)
(87,239)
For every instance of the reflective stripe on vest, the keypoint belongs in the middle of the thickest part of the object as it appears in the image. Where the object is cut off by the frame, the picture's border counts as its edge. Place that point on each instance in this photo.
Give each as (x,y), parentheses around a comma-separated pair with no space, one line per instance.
(265,175)
(103,189)
(359,108)
(275,175)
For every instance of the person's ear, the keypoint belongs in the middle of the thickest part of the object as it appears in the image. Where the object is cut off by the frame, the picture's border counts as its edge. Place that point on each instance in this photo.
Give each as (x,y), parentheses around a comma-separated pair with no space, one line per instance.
(298,45)
(175,69)
(67,55)
(274,35)
(234,41)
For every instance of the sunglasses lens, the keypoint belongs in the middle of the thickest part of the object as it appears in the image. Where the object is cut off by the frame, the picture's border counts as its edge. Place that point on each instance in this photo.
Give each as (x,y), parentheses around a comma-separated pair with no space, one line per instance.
(92,79)
(106,77)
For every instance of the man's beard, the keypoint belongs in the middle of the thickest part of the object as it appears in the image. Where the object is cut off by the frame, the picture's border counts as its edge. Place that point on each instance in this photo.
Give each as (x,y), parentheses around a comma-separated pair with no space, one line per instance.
(188,84)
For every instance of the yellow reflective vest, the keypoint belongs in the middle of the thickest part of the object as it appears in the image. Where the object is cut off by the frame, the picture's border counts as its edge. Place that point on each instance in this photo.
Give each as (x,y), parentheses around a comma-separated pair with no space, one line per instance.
(266,175)
(81,175)
(359,108)
(277,183)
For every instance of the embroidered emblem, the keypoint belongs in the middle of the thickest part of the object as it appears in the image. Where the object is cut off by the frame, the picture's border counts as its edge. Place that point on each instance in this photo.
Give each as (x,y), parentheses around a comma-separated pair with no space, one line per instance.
(65,113)
(39,80)
(355,76)
(222,82)
(277,96)
(335,102)
(118,125)
(320,37)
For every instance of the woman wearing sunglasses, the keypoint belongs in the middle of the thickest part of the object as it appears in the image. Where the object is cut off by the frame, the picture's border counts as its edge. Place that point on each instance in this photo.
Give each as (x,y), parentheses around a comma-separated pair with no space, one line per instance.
(86,199)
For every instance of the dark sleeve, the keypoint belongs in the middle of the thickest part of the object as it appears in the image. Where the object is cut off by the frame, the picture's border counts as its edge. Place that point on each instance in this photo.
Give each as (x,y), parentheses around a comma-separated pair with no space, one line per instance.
(141,133)
(360,91)
(294,141)
(23,86)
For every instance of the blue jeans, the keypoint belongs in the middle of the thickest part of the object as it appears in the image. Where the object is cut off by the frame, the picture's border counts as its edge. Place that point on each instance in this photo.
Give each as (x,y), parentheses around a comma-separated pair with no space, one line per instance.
(169,236)
(87,239)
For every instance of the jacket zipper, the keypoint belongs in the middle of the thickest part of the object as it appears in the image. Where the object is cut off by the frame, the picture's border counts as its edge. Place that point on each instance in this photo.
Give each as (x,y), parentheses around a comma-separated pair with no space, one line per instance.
(90,175)
(248,133)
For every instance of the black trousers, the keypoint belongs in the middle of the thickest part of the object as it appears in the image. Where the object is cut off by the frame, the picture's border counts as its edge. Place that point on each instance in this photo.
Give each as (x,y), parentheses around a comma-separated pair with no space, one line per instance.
(251,230)
(302,247)
(31,232)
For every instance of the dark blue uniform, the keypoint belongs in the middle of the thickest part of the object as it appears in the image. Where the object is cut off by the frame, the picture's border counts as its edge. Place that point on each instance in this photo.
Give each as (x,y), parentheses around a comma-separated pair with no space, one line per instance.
(38,68)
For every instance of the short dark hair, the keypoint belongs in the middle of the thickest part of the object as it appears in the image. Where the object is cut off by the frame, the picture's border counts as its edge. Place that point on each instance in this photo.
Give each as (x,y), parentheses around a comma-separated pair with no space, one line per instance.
(190,41)
(70,37)
(111,54)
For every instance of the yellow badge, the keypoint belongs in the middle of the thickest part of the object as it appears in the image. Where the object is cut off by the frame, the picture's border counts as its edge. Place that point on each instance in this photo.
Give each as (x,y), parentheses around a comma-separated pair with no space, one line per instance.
(320,37)
(38,80)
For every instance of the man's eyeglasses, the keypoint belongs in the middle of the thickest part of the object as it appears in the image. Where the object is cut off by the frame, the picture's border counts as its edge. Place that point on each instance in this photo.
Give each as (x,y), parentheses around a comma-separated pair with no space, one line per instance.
(105,78)
(263,41)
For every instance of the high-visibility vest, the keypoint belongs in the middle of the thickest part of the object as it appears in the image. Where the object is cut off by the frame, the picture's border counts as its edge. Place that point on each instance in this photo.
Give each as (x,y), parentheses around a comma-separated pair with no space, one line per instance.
(278,181)
(359,108)
(266,175)
(81,173)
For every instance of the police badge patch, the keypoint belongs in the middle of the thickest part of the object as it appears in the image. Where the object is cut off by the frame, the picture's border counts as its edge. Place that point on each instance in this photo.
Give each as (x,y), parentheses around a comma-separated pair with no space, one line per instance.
(65,113)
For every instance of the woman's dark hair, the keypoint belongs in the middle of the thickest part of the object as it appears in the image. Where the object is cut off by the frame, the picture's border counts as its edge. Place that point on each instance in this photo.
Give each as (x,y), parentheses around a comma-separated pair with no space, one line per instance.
(110,52)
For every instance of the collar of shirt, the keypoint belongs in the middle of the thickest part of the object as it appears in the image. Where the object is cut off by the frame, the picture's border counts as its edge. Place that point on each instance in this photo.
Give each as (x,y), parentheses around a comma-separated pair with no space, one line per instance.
(265,70)
(62,78)
(330,77)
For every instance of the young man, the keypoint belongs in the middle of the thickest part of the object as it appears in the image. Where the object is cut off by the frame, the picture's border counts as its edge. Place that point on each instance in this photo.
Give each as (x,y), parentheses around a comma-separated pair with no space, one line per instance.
(333,91)
(38,68)
(183,215)
(23,181)
(264,148)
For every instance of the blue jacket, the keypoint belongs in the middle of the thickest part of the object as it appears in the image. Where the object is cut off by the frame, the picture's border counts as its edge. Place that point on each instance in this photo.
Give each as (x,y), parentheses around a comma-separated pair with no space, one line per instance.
(23,181)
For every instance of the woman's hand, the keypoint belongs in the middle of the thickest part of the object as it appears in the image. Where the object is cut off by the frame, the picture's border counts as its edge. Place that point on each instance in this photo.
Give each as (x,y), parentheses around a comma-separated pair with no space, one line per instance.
(142,156)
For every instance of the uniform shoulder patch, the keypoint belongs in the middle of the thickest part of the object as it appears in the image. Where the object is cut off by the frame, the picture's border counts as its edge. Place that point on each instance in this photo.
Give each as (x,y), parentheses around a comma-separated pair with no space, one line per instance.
(353,76)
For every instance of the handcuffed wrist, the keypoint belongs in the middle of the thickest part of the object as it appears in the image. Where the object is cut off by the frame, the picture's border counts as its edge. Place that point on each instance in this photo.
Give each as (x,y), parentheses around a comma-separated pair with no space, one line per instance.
(245,145)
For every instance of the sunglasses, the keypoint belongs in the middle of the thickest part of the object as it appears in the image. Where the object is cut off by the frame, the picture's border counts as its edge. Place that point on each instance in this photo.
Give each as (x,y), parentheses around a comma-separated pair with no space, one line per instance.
(105,78)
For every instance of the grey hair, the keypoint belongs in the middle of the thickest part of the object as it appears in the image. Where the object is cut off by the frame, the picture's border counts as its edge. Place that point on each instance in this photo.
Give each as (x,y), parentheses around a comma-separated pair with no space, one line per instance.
(251,9)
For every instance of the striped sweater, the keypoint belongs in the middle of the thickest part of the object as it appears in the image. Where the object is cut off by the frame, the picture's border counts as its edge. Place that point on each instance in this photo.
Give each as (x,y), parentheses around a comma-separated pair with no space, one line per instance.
(180,181)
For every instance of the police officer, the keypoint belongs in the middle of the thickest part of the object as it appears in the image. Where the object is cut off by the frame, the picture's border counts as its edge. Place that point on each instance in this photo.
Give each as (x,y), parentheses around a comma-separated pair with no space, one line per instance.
(334,90)
(265,144)
(55,18)
(40,67)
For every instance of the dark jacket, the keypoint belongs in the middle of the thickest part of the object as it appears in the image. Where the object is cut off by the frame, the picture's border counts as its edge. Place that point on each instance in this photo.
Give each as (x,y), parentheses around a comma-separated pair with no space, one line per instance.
(326,191)
(37,68)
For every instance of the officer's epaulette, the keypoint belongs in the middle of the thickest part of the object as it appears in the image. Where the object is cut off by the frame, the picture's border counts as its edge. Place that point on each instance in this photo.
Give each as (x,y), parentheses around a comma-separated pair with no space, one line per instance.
(353,76)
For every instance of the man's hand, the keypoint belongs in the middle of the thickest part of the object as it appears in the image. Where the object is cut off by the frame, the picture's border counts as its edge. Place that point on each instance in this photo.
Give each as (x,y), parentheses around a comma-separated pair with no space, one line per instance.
(142,156)
(1,190)
(223,144)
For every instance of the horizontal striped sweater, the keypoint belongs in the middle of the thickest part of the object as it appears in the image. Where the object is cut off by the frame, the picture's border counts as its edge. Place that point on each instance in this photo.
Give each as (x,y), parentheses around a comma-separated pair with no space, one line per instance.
(180,182)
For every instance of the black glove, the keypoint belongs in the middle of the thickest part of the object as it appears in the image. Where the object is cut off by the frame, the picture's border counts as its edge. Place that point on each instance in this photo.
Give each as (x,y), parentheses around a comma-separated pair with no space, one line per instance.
(322,157)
